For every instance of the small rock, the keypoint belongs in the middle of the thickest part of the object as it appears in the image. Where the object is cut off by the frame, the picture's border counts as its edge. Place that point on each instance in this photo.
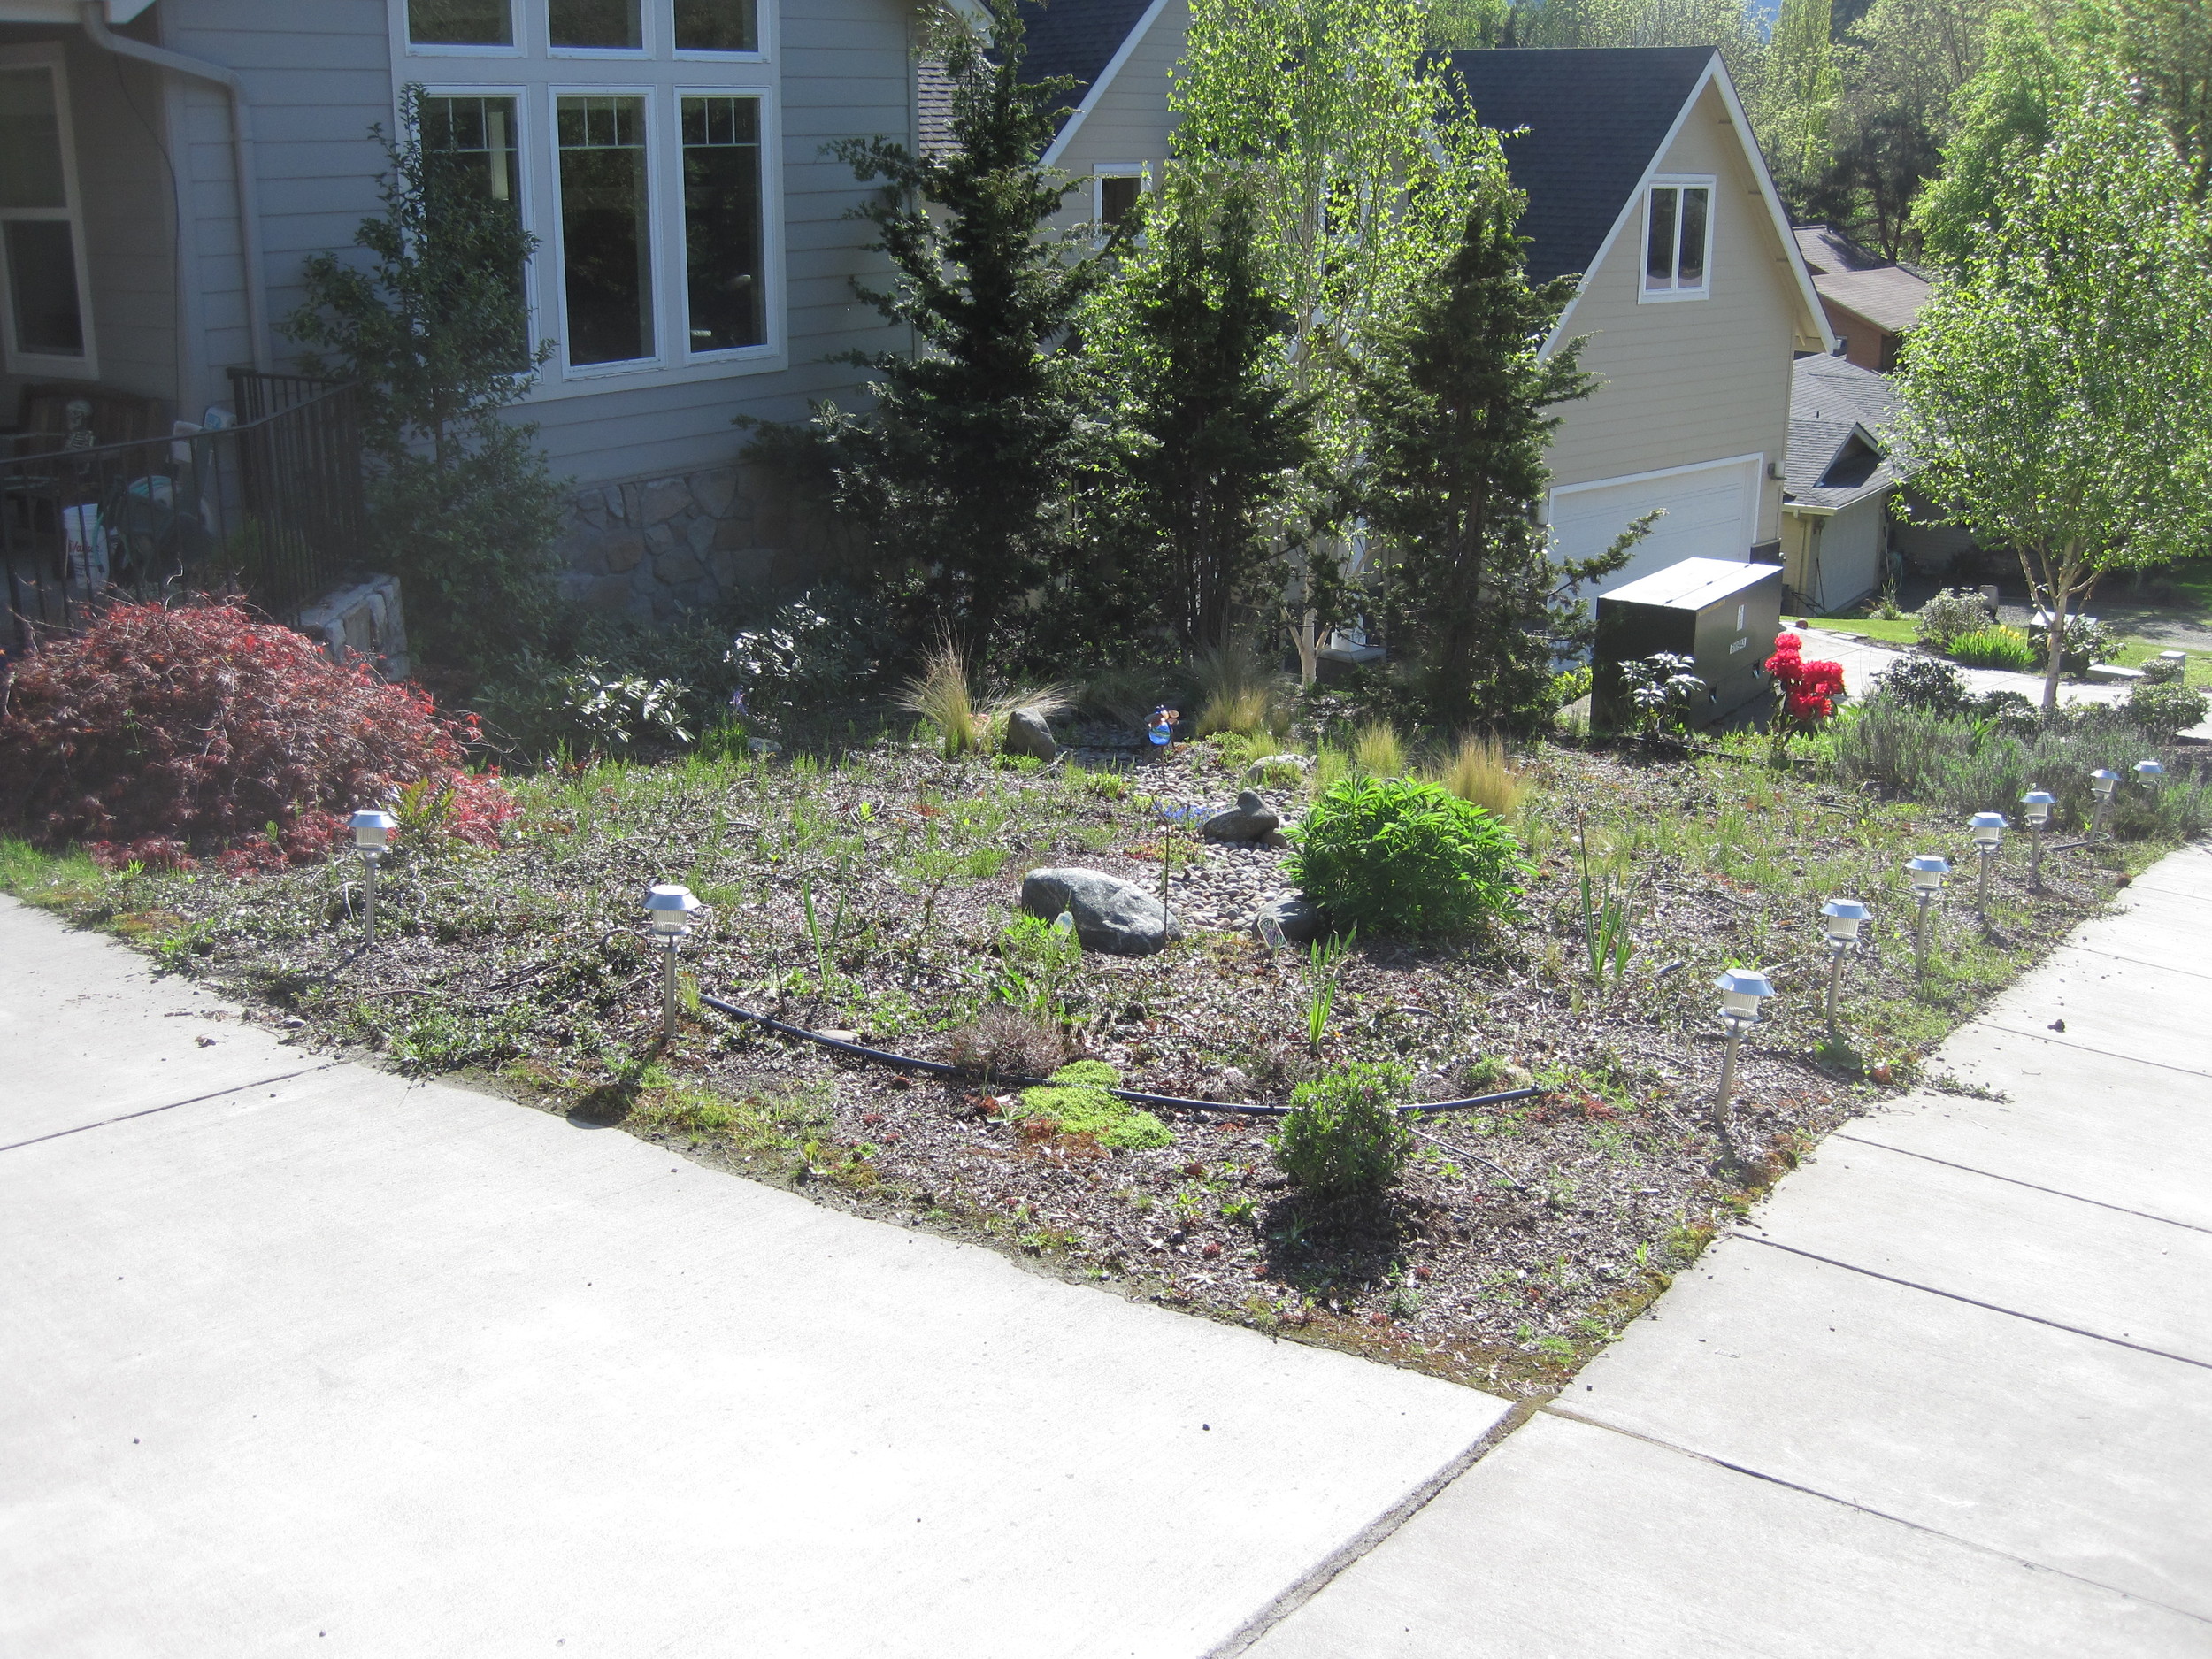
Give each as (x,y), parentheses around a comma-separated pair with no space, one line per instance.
(1111,915)
(1026,733)
(1297,915)
(1248,820)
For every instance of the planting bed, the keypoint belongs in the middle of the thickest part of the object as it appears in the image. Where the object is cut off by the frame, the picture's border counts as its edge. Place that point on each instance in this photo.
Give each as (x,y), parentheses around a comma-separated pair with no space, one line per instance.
(872,895)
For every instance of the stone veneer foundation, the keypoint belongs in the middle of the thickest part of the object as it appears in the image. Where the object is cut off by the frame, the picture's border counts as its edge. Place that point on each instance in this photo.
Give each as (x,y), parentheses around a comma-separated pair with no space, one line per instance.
(654,548)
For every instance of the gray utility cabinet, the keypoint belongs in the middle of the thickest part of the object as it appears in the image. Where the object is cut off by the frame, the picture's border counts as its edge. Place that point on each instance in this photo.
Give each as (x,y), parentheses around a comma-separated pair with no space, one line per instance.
(1721,613)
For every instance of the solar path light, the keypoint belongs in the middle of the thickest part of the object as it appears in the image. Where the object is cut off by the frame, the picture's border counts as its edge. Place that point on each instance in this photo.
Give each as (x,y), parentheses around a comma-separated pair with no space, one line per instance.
(2102,782)
(1741,991)
(668,907)
(1927,871)
(2039,803)
(372,835)
(1989,835)
(1844,918)
(2152,776)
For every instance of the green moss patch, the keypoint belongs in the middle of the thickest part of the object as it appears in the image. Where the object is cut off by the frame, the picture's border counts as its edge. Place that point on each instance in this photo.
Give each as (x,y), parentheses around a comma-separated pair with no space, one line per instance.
(1076,1099)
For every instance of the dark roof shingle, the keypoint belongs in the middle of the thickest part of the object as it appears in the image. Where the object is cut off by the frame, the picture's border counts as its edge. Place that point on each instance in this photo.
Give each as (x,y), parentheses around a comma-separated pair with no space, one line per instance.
(1075,38)
(1832,403)
(1596,116)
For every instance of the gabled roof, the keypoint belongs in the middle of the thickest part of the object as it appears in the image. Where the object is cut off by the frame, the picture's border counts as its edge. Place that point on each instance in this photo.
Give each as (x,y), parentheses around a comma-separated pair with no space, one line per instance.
(1826,249)
(1838,453)
(1076,38)
(1596,116)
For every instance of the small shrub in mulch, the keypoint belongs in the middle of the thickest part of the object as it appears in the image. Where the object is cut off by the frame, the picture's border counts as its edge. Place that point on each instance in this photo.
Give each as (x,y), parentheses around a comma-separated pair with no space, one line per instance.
(1343,1135)
(160,733)
(1401,859)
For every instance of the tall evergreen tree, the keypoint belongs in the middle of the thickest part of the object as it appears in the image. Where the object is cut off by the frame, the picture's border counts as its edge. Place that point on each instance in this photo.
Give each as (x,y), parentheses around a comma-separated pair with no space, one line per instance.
(1455,395)
(962,470)
(1218,437)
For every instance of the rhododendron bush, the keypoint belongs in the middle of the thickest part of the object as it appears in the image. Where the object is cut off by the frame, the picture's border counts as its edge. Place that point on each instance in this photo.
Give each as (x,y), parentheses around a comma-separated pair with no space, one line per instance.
(1808,690)
(159,733)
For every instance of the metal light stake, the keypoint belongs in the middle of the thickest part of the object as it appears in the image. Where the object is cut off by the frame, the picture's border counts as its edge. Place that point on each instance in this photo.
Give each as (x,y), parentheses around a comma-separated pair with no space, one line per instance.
(668,906)
(1927,871)
(371,834)
(1845,917)
(2039,803)
(2102,782)
(1741,991)
(1989,835)
(2152,776)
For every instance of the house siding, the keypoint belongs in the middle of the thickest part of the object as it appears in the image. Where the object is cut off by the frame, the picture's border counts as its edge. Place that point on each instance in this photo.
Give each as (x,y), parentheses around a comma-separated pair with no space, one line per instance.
(1690,381)
(1130,121)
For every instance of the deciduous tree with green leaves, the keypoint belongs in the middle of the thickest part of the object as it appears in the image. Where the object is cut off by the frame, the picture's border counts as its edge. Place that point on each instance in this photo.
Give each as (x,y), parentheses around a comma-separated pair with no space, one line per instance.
(2056,393)
(435,329)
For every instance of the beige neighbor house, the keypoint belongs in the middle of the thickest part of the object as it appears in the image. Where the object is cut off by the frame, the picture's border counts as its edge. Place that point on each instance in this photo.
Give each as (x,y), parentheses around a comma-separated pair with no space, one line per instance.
(1642,178)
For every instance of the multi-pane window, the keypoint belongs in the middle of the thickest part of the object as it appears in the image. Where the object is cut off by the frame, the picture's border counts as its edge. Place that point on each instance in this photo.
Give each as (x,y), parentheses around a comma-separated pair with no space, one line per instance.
(1677,240)
(636,139)
(722,225)
(606,230)
(42,305)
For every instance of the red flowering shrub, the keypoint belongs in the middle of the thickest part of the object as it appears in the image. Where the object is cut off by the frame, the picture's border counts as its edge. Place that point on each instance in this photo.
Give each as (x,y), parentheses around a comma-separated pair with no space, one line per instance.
(1809,690)
(158,733)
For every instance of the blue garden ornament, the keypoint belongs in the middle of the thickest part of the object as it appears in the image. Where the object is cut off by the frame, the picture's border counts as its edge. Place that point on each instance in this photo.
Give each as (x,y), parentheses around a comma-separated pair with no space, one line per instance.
(1161,729)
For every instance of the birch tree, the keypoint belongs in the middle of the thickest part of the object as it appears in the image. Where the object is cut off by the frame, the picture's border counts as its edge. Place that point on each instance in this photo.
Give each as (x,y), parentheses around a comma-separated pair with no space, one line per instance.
(2057,392)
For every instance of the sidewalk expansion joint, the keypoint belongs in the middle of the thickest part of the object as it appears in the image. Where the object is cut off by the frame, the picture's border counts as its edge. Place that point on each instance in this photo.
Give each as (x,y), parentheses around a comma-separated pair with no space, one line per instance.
(235,1088)
(2087,1048)
(1329,1567)
(2014,1180)
(1992,1306)
(2139,962)
(1568,1414)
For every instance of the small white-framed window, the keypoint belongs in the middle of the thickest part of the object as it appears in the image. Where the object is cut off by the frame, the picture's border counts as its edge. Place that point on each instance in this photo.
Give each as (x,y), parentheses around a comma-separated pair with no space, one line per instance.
(716,28)
(1116,188)
(45,280)
(1678,239)
(461,25)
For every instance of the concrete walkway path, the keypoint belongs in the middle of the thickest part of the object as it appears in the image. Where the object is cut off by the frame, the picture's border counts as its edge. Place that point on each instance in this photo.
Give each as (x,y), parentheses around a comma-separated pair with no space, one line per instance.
(1950,1396)
(297,1358)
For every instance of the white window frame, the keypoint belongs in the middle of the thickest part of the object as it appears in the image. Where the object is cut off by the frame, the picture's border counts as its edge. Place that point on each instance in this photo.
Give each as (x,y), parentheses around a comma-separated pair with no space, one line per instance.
(1706,182)
(48,56)
(1101,171)
(665,78)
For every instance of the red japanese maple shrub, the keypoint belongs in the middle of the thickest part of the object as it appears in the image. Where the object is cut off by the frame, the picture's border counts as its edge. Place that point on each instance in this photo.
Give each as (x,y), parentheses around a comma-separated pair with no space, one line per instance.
(158,733)
(1808,690)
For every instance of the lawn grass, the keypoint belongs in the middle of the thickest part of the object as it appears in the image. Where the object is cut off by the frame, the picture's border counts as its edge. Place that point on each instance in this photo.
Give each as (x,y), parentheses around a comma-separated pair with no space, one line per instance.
(1897,633)
(2134,650)
(872,890)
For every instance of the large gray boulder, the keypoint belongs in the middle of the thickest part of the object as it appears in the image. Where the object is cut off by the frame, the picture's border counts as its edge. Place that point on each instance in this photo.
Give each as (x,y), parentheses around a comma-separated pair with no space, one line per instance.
(1299,918)
(1026,733)
(1248,820)
(1111,915)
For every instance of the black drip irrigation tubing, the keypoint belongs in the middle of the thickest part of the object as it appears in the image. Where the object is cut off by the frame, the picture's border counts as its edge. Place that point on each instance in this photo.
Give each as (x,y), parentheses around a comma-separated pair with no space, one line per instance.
(938,1068)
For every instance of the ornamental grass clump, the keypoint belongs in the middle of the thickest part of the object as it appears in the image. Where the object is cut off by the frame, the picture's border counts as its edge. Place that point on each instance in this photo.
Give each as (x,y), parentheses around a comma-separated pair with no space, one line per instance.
(1343,1136)
(159,733)
(1995,647)
(1401,859)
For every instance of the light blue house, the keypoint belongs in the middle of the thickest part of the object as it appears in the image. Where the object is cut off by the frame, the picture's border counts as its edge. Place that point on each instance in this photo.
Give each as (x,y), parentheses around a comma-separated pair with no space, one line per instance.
(166,166)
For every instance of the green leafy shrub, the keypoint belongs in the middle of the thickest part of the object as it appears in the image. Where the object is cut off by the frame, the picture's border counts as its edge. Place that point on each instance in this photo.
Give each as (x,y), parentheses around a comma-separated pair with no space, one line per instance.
(1570,685)
(1954,611)
(1075,1098)
(1994,648)
(1343,1134)
(1404,858)
(538,707)
(1928,683)
(2159,711)
(2087,641)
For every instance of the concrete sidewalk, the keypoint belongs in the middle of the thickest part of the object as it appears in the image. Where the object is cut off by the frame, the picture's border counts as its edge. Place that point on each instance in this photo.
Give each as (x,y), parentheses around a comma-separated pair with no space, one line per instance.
(302,1358)
(1951,1394)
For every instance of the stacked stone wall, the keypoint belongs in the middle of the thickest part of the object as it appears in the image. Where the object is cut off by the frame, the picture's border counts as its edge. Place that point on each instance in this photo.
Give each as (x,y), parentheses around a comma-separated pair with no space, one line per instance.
(655,547)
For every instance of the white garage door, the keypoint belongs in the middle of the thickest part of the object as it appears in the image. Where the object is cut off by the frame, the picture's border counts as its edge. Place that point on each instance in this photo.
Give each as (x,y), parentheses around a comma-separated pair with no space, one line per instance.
(1706,512)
